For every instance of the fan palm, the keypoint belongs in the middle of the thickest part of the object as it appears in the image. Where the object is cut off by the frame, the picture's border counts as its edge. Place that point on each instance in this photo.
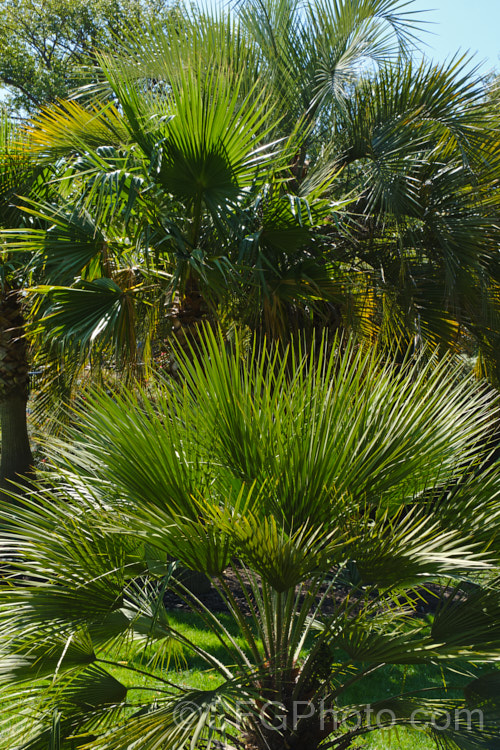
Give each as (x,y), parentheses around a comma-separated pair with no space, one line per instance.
(422,142)
(177,171)
(408,150)
(417,146)
(333,497)
(144,188)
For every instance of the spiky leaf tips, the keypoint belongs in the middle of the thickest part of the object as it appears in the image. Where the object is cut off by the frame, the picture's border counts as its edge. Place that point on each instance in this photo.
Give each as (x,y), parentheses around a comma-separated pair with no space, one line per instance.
(326,495)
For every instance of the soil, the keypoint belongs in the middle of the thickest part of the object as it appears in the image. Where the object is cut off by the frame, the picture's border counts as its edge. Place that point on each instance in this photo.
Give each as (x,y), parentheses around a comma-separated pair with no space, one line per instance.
(426,599)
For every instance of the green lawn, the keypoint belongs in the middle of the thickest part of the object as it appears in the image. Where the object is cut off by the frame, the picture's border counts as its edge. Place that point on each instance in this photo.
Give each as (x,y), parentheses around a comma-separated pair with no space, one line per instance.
(190,672)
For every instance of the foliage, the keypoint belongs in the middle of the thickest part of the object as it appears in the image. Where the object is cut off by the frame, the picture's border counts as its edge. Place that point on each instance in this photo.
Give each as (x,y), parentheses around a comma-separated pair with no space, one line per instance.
(428,239)
(274,166)
(48,48)
(297,474)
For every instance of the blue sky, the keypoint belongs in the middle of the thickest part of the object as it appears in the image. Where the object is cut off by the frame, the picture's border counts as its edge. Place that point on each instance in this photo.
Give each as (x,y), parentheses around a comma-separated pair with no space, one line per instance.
(462,24)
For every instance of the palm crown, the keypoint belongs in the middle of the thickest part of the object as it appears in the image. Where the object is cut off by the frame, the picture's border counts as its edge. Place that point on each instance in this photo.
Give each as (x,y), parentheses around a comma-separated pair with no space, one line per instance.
(254,163)
(346,473)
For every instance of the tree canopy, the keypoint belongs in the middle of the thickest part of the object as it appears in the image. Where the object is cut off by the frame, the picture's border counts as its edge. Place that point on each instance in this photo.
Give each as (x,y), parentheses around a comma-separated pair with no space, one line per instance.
(48,47)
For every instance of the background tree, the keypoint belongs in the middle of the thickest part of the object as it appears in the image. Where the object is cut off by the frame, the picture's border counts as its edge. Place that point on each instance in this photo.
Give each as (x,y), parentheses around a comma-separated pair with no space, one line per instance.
(420,146)
(48,47)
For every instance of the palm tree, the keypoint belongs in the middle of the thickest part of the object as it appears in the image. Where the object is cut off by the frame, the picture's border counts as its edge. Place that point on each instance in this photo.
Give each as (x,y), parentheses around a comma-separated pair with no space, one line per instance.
(424,236)
(415,147)
(374,211)
(193,195)
(144,187)
(334,497)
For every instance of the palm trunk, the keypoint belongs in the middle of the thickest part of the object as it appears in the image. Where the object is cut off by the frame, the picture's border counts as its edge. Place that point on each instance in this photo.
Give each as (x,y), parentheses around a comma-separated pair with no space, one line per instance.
(17,460)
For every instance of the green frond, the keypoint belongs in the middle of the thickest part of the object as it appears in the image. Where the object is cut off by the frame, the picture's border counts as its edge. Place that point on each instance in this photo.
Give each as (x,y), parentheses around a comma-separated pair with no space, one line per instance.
(69,128)
(91,312)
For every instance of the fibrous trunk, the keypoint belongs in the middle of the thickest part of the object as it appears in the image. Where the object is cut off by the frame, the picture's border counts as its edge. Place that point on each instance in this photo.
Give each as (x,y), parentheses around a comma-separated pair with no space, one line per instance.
(16,459)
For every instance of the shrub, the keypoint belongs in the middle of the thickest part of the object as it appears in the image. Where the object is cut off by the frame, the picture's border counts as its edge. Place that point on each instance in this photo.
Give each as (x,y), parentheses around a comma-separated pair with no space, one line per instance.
(333,488)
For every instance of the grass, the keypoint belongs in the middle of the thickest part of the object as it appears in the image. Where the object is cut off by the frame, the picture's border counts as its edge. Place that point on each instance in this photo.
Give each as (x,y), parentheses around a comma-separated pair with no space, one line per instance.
(189,671)
(398,739)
